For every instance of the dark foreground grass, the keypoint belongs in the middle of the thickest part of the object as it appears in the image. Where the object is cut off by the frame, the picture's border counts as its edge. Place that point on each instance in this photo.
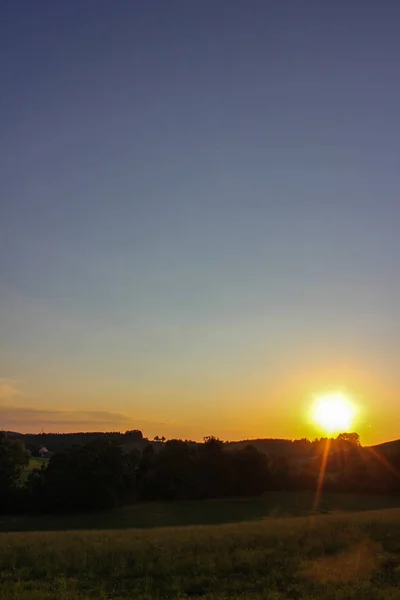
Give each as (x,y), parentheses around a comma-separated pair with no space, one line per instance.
(353,556)
(172,514)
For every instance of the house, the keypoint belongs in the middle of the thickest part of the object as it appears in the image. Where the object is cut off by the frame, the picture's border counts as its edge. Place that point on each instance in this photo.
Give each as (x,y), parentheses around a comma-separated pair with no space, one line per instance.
(44,453)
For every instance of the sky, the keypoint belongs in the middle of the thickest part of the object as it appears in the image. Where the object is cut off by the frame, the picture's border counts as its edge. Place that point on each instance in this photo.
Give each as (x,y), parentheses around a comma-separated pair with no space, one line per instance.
(199,215)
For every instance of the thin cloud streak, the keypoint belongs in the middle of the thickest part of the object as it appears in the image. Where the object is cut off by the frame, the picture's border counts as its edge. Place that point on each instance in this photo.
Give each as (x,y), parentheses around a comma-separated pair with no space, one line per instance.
(26,419)
(8,389)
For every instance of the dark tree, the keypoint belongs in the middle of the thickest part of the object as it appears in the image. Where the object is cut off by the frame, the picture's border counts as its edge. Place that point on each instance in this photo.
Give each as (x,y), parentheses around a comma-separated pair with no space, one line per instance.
(279,468)
(13,459)
(212,444)
(134,435)
(253,473)
(98,475)
(173,474)
(350,438)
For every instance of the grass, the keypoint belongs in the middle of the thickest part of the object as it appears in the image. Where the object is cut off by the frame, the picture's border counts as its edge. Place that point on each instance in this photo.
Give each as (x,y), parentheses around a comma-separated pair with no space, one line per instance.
(157,514)
(346,556)
(34,463)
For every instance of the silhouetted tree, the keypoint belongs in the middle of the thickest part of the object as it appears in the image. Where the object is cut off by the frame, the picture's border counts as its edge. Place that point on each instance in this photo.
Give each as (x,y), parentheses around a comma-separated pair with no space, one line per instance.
(134,435)
(253,473)
(350,438)
(13,459)
(212,444)
(174,473)
(98,475)
(279,468)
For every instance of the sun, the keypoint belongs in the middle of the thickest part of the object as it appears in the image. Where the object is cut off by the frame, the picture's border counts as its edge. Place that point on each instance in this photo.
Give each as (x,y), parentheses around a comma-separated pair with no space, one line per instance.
(334,413)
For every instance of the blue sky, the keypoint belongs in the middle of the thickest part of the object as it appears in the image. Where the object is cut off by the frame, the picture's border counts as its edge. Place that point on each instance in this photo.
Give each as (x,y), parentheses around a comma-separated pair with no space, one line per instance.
(199,212)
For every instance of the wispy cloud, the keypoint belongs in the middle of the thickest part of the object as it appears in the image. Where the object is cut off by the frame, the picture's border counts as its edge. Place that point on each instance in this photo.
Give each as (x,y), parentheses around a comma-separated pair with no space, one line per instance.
(35,417)
(28,419)
(16,415)
(8,389)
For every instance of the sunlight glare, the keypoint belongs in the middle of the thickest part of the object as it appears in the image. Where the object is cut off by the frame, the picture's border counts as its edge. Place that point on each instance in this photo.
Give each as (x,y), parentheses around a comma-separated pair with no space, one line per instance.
(334,413)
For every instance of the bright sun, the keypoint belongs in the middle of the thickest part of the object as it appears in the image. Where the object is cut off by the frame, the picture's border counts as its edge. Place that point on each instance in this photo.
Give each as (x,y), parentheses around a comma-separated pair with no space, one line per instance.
(334,413)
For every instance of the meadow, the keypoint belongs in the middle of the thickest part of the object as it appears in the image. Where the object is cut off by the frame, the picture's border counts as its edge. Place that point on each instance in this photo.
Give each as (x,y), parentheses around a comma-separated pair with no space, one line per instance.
(34,463)
(339,555)
(202,512)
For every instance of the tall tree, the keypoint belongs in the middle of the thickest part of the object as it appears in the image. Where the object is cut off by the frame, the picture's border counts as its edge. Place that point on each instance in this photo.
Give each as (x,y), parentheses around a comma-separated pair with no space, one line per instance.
(13,459)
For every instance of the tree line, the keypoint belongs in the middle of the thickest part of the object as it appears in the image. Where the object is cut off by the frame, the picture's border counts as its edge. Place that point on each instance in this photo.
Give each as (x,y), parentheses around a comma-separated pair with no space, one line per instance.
(102,474)
(57,442)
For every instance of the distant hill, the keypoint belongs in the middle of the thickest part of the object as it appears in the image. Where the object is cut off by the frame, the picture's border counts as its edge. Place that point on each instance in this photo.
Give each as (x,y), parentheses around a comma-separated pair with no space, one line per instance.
(387,448)
(276,447)
(134,440)
(130,440)
(56,442)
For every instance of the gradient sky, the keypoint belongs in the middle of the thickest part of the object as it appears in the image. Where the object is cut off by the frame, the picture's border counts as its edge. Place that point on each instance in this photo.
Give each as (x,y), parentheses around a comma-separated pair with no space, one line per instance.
(199,218)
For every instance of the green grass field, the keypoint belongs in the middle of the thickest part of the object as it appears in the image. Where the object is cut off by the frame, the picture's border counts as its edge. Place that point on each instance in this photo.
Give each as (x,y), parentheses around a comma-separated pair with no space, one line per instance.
(174,514)
(34,463)
(342,555)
